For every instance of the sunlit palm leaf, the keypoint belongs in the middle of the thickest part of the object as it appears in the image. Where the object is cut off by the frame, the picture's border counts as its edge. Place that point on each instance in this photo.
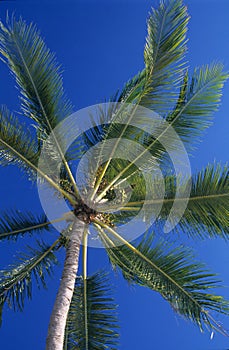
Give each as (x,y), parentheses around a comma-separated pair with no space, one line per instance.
(199,99)
(164,52)
(36,72)
(154,87)
(101,316)
(16,281)
(38,77)
(173,273)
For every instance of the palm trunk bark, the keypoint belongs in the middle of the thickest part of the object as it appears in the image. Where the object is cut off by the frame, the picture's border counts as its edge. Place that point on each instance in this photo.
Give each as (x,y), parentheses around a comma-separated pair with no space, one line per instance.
(55,337)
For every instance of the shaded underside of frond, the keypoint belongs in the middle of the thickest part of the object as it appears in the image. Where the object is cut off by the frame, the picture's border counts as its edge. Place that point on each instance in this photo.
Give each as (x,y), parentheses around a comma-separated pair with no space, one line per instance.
(17,280)
(100,330)
(17,145)
(132,89)
(199,98)
(14,224)
(207,213)
(183,282)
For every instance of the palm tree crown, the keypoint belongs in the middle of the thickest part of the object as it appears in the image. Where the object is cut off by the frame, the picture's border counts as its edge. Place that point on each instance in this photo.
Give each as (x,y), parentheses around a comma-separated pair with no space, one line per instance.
(186,100)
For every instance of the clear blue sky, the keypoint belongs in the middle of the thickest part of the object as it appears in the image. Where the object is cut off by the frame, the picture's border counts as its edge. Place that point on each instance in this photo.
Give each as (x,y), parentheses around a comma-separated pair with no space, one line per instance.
(100,45)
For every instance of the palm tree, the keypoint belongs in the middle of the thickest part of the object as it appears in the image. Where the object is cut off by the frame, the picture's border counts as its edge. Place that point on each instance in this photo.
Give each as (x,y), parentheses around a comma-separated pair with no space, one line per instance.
(84,314)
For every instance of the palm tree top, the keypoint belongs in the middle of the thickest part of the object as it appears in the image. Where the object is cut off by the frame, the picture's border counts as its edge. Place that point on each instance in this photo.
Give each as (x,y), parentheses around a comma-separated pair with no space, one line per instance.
(185,99)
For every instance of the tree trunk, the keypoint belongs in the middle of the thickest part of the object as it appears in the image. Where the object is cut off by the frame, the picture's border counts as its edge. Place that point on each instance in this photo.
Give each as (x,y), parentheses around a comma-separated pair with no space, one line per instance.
(55,338)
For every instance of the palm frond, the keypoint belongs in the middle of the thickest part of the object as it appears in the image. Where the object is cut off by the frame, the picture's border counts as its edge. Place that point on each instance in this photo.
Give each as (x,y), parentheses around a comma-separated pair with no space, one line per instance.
(154,87)
(36,72)
(16,281)
(38,77)
(17,146)
(207,213)
(14,224)
(197,101)
(199,98)
(193,112)
(164,52)
(100,315)
(133,89)
(183,282)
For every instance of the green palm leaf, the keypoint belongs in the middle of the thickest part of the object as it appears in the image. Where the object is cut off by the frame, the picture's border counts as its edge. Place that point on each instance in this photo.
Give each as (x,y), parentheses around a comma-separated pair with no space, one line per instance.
(17,145)
(154,87)
(15,223)
(164,52)
(36,72)
(199,98)
(207,209)
(165,48)
(99,332)
(197,101)
(173,273)
(207,212)
(132,89)
(38,77)
(16,282)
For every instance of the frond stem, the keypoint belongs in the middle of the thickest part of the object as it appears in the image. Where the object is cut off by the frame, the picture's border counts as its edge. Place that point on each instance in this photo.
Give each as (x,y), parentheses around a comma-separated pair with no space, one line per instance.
(168,200)
(111,155)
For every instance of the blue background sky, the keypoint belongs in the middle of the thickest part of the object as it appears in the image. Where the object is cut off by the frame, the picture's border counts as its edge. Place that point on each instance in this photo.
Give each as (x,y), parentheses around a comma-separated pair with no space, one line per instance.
(100,45)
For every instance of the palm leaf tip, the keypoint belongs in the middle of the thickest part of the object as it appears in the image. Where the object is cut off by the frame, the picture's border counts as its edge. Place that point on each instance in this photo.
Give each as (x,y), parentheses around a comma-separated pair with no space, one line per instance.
(166,40)
(183,283)
(100,316)
(16,282)
(164,54)
(36,72)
